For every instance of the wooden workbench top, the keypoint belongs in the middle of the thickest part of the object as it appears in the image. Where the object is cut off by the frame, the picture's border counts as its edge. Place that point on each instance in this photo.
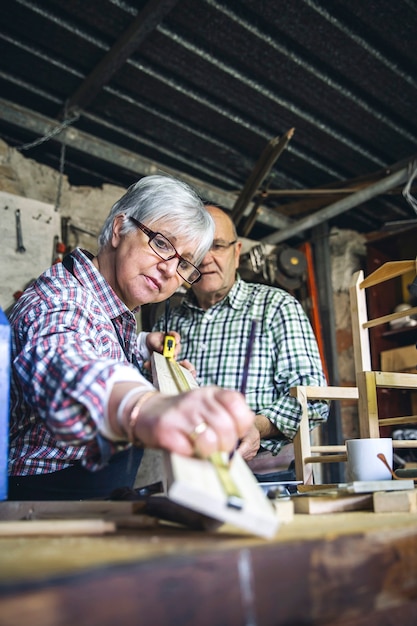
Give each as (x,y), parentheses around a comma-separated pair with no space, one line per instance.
(24,558)
(327,567)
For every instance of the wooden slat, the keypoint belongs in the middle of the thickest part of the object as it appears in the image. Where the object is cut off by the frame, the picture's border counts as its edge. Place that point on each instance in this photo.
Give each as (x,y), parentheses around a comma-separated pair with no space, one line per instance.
(195,483)
(359,315)
(328,393)
(320,505)
(385,319)
(56,527)
(331,449)
(390,269)
(394,421)
(392,380)
(326,458)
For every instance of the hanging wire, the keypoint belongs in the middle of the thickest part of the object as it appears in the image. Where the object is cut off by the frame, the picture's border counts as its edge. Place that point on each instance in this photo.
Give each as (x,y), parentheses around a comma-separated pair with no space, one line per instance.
(61,174)
(53,133)
(407,189)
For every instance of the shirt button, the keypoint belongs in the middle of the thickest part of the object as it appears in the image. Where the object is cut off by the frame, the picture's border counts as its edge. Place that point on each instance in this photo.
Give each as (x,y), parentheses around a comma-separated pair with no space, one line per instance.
(203,346)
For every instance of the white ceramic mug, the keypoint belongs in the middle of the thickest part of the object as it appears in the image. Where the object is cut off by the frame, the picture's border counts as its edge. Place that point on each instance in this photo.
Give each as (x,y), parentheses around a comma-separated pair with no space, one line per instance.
(363,462)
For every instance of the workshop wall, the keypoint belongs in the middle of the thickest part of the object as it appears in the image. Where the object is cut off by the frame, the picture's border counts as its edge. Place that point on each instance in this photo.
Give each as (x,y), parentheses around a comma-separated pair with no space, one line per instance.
(87,208)
(347,253)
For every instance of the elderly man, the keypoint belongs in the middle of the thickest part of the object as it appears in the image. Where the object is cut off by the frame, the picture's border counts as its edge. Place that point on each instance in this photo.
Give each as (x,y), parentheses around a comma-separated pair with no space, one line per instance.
(214,322)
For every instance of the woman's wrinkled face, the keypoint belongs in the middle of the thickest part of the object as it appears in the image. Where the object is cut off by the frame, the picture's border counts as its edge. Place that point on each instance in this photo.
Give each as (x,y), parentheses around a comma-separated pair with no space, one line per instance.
(140,276)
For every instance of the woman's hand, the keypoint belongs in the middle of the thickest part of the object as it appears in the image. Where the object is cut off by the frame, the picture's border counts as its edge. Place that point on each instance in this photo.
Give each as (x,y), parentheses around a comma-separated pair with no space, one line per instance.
(198,422)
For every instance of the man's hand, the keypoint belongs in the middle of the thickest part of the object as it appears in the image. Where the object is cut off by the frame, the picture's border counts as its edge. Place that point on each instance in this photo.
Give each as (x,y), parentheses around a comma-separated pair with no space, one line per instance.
(250,443)
(155,341)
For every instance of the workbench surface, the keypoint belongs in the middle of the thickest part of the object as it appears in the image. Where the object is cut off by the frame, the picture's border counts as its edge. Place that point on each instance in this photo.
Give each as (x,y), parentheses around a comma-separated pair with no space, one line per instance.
(345,568)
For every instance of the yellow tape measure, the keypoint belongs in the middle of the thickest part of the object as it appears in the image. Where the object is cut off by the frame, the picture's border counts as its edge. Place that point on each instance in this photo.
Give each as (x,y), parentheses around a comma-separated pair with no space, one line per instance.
(169,347)
(220,460)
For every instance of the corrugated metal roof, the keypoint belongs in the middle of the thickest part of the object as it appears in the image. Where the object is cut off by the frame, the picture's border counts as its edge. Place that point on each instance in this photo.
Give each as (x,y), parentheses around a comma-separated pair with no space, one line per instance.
(199,88)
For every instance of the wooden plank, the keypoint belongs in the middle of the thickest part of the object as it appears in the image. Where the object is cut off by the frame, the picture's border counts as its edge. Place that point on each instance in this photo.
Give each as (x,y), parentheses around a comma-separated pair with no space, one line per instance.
(56,527)
(390,317)
(395,502)
(326,458)
(284,509)
(331,392)
(195,483)
(390,269)
(396,380)
(365,486)
(30,510)
(359,315)
(163,375)
(368,404)
(321,505)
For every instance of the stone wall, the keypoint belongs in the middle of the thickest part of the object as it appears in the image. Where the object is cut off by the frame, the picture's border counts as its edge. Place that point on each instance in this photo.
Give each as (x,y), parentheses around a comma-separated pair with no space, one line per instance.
(347,252)
(87,208)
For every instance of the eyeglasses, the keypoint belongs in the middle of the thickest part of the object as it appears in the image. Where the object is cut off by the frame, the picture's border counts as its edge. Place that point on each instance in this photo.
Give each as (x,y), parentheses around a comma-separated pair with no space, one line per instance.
(221,246)
(166,251)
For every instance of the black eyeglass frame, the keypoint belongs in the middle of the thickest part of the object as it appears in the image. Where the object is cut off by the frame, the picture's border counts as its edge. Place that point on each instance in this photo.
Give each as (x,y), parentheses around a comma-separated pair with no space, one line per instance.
(222,246)
(152,234)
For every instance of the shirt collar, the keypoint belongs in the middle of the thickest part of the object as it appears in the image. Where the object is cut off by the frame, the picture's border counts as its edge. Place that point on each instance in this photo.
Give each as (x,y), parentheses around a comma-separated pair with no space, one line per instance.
(89,276)
(235,298)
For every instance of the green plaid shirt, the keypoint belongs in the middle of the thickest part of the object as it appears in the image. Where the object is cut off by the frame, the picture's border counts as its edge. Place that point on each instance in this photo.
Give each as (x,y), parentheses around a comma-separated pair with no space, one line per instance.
(285,352)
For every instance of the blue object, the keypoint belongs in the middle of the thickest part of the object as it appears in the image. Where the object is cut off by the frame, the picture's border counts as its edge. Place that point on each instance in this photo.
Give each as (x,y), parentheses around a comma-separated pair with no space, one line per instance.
(4,401)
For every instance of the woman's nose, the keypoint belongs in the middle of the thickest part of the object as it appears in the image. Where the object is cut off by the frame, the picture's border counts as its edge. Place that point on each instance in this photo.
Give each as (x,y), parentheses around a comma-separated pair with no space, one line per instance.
(169,267)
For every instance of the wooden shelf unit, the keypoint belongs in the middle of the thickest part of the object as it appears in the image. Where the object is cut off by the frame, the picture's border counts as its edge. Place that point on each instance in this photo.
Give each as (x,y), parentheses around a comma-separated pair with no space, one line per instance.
(397,245)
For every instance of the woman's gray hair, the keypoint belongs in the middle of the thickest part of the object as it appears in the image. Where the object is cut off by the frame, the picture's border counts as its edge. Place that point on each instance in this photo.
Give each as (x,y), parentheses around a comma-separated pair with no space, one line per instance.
(165,199)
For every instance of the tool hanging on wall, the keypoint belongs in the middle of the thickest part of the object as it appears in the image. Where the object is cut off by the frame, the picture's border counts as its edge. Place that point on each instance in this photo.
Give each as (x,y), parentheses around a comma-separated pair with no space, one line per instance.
(19,235)
(58,250)
(281,266)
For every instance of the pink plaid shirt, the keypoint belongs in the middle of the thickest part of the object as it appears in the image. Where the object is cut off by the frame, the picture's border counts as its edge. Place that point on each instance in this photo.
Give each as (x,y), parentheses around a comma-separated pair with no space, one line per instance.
(64,349)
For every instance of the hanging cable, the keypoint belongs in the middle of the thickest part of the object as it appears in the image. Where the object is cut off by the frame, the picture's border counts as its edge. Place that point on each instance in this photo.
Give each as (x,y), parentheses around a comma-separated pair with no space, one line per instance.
(61,174)
(53,133)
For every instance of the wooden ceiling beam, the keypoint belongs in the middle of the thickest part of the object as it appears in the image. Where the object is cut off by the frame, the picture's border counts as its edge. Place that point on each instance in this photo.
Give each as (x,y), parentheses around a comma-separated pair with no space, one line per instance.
(146,21)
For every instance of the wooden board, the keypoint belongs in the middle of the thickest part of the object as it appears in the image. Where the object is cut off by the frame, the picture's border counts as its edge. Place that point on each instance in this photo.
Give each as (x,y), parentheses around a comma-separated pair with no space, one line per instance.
(395,501)
(56,527)
(320,505)
(356,496)
(63,509)
(364,486)
(195,483)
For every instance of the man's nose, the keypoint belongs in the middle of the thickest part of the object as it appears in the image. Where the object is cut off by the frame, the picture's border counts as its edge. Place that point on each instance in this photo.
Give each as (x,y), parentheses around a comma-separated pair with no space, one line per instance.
(207,259)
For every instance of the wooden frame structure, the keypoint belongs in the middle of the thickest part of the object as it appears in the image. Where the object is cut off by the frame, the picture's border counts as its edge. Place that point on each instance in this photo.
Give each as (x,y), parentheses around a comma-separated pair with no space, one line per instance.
(368,381)
(306,454)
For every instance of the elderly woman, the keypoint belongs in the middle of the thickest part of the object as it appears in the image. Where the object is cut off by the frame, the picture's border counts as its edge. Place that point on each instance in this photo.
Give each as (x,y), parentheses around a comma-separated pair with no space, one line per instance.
(81,411)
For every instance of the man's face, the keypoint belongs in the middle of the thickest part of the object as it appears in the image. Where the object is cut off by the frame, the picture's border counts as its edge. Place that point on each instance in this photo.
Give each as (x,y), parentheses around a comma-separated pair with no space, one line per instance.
(219,266)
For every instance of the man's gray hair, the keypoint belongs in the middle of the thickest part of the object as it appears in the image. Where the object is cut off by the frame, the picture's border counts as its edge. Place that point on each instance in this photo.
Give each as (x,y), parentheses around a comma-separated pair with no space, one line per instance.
(164,199)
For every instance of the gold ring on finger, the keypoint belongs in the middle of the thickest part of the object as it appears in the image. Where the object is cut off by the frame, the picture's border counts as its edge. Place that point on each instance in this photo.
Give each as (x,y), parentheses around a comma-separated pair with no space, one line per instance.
(198,430)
